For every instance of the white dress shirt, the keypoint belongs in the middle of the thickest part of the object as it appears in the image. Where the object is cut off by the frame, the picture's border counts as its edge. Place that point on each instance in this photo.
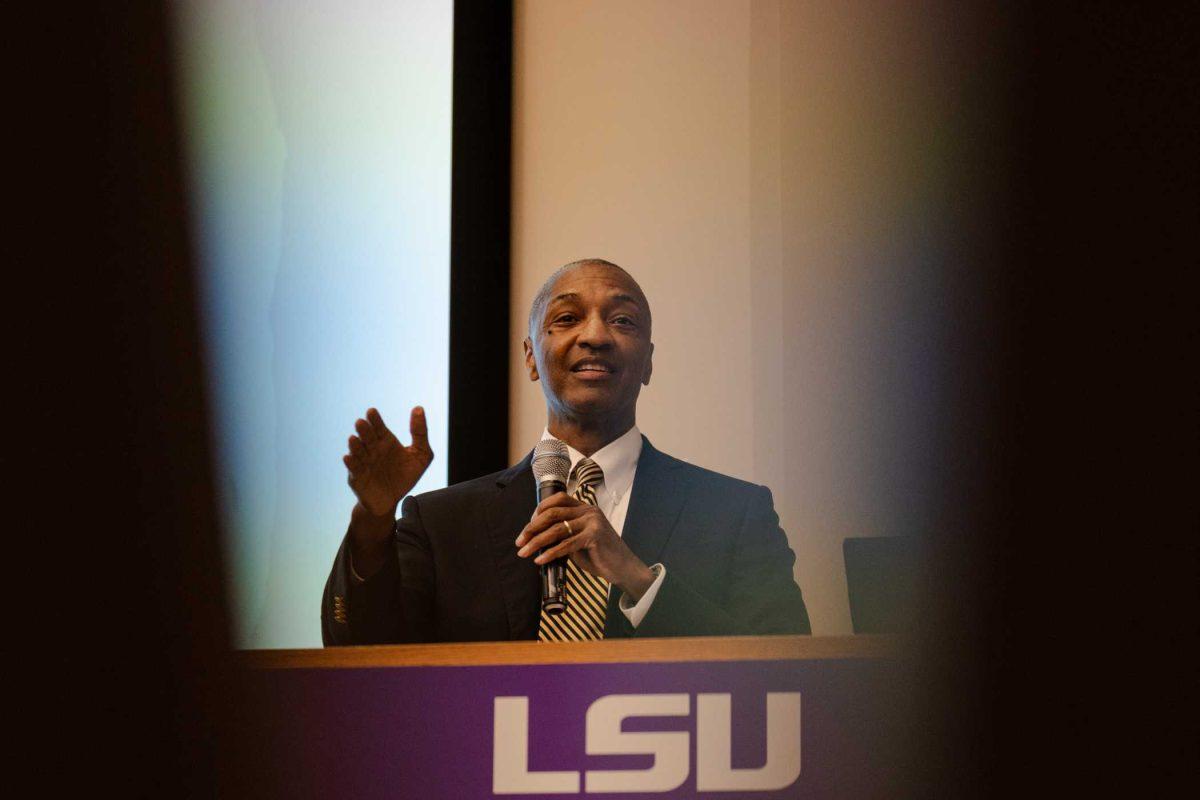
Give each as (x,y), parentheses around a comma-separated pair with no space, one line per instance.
(618,459)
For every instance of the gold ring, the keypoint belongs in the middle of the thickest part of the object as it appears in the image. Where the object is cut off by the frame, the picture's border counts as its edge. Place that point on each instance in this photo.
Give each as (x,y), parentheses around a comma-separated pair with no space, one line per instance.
(568,526)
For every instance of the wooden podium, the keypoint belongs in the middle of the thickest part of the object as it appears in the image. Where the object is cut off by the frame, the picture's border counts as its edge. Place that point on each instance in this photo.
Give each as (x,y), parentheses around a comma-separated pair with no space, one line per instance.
(699,648)
(750,717)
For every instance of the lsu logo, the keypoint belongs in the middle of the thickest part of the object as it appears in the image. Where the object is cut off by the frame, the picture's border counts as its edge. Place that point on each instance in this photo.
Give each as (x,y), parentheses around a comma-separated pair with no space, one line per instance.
(670,749)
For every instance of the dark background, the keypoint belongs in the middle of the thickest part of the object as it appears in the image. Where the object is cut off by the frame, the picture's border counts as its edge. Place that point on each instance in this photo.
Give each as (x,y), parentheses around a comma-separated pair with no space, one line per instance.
(1062,662)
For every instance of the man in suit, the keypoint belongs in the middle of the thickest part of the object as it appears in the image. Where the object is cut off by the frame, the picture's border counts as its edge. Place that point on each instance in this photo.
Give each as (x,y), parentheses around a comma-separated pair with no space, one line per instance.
(657,547)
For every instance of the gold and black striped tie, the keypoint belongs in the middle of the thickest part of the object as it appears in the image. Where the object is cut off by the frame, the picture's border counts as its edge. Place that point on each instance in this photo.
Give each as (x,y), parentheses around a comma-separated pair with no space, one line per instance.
(587,595)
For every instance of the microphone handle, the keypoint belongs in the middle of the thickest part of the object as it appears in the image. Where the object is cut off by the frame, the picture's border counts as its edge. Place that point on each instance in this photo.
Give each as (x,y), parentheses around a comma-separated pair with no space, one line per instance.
(553,574)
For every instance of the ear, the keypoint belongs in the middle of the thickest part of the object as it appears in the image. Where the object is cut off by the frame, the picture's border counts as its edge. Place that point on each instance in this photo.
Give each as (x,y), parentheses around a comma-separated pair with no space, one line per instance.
(530,363)
(649,366)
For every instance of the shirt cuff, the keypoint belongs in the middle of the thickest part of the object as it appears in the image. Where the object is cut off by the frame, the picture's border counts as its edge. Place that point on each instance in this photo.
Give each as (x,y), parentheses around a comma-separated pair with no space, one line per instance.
(635,612)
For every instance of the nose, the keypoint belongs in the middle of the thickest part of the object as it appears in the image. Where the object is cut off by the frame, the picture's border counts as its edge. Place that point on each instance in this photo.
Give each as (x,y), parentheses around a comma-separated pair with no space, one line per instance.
(594,333)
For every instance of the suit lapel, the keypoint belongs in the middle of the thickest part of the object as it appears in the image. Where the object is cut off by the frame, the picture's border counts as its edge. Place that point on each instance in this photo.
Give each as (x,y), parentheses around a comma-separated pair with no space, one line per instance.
(507,514)
(657,498)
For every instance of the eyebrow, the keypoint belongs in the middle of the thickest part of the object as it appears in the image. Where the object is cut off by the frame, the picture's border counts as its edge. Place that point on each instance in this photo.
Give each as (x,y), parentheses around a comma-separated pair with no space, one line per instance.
(574,296)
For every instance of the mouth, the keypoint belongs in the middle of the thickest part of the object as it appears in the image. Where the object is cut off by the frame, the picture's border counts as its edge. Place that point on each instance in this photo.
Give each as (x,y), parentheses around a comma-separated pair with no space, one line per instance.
(593,369)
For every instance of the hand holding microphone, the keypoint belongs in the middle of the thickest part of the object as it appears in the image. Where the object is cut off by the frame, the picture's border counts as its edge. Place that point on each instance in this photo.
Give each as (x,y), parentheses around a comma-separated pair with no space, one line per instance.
(564,527)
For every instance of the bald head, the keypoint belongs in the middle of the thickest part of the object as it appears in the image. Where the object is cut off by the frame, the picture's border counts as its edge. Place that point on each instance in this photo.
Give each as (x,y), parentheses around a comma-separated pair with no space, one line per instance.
(542,298)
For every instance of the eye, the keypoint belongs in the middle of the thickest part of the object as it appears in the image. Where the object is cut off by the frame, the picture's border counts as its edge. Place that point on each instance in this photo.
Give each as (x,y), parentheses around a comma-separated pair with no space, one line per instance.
(565,318)
(624,320)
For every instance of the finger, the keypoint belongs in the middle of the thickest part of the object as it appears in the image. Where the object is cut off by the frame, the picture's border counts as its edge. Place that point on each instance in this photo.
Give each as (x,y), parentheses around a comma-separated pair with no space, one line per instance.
(418,428)
(365,431)
(378,426)
(358,451)
(549,502)
(556,500)
(547,538)
(535,541)
(545,519)
(541,522)
(563,548)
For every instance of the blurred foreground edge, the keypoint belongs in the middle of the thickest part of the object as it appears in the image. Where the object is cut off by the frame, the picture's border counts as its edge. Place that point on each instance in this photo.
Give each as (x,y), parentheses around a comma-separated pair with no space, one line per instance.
(1058,618)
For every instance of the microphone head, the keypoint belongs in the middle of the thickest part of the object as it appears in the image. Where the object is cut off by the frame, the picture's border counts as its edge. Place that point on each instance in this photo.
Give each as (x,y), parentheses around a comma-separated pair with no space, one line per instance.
(551,462)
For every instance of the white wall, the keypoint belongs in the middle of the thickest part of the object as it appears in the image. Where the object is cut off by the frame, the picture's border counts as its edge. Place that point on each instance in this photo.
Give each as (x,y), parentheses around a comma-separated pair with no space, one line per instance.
(772,174)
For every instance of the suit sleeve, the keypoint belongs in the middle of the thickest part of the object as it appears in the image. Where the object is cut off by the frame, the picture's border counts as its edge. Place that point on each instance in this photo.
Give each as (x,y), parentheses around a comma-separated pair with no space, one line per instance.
(395,605)
(762,596)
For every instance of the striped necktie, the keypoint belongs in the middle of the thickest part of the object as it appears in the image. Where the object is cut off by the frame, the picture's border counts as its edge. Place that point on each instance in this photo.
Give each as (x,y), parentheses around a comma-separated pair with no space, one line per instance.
(587,595)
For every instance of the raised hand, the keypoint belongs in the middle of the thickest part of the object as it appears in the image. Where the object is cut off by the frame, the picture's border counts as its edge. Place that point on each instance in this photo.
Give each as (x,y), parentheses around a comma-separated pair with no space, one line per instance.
(381,471)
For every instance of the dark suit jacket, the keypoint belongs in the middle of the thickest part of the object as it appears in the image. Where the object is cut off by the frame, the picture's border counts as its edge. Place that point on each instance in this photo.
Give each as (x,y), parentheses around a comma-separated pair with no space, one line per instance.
(457,577)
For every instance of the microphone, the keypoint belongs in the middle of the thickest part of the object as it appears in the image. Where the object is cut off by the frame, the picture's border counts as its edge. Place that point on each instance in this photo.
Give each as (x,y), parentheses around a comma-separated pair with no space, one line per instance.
(551,466)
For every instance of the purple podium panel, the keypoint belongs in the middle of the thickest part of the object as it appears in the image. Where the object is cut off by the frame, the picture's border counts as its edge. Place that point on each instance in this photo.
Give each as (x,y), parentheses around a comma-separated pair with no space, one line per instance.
(760,729)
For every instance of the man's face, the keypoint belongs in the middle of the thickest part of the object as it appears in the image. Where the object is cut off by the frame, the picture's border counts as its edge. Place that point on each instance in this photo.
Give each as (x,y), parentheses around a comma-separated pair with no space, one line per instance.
(591,347)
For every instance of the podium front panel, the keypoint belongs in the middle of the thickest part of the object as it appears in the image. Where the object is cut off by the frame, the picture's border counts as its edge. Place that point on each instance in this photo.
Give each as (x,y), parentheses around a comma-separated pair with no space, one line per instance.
(762,718)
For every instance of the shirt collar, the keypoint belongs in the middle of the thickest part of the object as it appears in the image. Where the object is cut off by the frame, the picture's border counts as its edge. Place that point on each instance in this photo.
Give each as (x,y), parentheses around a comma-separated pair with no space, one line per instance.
(618,459)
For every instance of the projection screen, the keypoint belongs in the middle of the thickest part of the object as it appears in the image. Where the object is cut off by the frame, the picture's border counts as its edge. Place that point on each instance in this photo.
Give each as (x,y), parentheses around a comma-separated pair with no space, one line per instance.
(318,136)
